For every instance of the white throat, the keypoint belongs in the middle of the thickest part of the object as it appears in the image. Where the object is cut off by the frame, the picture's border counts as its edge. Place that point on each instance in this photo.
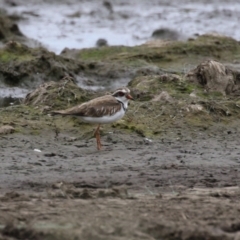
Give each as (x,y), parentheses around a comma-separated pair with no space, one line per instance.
(124,102)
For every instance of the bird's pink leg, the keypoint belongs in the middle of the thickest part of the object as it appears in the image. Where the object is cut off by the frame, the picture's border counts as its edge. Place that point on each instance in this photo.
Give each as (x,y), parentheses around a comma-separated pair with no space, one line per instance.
(97,135)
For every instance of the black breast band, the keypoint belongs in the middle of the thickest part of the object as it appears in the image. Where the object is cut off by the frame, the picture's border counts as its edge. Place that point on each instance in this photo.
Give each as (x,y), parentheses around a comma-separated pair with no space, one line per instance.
(122,105)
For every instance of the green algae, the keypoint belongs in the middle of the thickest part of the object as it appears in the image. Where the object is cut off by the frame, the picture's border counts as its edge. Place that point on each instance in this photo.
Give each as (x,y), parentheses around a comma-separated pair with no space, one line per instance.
(105,53)
(172,55)
(15,51)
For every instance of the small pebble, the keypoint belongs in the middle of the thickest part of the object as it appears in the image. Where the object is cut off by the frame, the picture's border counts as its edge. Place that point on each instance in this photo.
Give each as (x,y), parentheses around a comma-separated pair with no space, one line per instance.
(37,150)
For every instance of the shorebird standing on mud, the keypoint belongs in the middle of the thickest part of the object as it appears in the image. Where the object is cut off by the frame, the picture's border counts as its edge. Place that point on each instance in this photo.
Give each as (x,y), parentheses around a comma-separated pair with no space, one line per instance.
(101,110)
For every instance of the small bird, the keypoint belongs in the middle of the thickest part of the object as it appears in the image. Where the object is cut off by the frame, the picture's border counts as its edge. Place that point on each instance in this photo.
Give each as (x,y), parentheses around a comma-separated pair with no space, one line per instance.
(101,110)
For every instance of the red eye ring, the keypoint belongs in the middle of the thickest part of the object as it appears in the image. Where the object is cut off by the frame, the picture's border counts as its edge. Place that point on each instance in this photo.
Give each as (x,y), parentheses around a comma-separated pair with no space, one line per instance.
(121,94)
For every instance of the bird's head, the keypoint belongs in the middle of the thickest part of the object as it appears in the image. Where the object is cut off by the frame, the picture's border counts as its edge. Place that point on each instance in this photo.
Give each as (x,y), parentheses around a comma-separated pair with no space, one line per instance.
(122,94)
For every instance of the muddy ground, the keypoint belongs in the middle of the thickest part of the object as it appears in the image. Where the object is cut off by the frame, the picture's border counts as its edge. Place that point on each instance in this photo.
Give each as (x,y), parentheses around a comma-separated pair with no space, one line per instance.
(184,185)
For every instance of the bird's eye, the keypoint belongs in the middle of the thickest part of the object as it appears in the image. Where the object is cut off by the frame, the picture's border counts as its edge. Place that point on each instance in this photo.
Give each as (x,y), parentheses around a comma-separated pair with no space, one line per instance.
(121,94)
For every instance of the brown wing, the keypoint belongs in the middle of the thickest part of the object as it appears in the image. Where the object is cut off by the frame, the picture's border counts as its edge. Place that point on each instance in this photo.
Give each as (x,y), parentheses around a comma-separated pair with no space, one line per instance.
(98,107)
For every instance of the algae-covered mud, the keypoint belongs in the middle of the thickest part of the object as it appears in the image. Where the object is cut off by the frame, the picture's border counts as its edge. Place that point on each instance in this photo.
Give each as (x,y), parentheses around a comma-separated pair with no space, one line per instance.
(168,170)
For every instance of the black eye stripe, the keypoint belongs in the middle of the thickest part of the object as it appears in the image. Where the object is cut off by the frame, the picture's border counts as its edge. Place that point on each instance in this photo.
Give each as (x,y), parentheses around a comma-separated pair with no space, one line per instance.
(121,94)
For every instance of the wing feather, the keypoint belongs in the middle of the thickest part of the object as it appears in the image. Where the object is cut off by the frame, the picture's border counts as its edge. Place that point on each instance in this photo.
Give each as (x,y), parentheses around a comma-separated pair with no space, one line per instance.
(98,107)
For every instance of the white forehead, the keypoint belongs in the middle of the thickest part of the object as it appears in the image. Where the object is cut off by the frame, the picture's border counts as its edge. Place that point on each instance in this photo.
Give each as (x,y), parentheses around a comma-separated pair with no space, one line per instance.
(125,90)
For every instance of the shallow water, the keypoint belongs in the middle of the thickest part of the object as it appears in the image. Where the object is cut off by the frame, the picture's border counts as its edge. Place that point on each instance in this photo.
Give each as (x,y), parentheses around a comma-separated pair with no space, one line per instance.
(11,95)
(129,23)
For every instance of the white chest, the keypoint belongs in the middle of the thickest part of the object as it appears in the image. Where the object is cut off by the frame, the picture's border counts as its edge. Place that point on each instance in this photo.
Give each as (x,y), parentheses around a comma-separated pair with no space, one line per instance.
(105,119)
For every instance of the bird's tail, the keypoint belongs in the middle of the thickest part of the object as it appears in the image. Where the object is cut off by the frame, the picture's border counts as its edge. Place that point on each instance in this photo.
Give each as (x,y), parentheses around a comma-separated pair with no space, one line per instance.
(59,112)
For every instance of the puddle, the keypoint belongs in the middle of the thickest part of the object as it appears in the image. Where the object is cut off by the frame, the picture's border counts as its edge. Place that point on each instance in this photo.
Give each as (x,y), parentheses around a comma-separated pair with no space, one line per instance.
(101,85)
(11,96)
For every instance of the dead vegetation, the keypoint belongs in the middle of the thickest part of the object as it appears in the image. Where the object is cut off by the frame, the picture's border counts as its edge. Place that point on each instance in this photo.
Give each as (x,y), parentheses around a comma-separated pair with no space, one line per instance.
(57,94)
(215,77)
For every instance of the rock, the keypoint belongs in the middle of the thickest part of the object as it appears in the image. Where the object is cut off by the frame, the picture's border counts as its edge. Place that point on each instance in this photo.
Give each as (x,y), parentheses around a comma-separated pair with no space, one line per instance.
(163,96)
(194,108)
(166,34)
(108,6)
(6,129)
(101,42)
(215,77)
(11,3)
(193,94)
(76,14)
(57,185)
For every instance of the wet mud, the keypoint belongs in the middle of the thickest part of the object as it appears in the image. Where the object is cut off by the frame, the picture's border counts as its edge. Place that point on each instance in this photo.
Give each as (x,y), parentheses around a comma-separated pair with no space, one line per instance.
(173,188)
